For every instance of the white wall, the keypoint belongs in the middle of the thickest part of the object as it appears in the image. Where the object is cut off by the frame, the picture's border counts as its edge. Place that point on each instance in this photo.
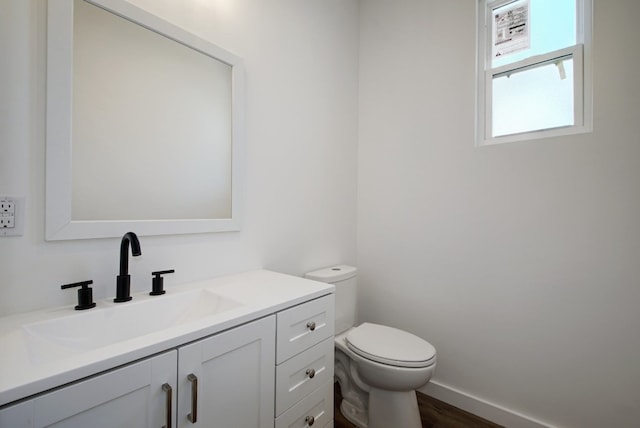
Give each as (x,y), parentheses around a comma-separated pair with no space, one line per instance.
(300,203)
(519,262)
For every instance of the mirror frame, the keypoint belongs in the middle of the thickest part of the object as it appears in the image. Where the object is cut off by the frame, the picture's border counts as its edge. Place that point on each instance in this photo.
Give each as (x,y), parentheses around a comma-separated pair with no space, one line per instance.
(59,224)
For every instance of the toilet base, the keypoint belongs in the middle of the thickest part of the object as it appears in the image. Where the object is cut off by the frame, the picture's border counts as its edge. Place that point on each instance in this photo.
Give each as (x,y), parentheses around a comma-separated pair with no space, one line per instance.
(393,409)
(354,414)
(385,409)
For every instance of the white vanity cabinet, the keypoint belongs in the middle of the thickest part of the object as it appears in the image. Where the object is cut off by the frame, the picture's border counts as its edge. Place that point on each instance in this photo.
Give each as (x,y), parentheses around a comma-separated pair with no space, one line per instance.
(304,371)
(222,381)
(265,362)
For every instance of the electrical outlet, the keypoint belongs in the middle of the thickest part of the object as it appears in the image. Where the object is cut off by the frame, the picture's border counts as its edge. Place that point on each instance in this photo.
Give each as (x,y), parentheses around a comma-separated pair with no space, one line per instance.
(7,213)
(11,216)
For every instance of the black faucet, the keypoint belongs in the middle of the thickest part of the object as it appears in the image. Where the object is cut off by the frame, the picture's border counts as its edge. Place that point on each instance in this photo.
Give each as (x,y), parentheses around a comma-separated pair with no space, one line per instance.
(123,287)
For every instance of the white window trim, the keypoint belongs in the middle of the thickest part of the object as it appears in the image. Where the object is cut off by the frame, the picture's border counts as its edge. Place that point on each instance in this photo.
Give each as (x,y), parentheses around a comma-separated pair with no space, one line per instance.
(582,69)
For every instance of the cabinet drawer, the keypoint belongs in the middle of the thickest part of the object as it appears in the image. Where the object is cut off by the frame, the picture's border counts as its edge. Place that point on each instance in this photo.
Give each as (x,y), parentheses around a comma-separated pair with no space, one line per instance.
(303,373)
(317,405)
(303,326)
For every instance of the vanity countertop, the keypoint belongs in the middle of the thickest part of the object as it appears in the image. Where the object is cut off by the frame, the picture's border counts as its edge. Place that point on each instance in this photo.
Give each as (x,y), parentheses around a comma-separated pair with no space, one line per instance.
(29,366)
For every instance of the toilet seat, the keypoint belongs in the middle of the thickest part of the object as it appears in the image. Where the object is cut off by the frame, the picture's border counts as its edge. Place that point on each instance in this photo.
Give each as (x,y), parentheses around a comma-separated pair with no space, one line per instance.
(391,346)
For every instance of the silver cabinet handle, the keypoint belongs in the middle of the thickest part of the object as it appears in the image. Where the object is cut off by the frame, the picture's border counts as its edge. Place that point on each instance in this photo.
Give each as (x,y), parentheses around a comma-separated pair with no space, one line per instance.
(169,392)
(193,416)
(311,373)
(310,420)
(311,325)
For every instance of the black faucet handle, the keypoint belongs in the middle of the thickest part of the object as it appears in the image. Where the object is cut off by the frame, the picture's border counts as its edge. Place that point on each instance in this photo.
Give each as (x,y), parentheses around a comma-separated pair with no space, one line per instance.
(157,283)
(85,294)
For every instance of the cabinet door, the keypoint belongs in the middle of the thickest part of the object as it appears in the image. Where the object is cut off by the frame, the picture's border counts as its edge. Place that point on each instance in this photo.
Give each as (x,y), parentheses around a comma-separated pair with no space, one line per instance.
(129,397)
(227,380)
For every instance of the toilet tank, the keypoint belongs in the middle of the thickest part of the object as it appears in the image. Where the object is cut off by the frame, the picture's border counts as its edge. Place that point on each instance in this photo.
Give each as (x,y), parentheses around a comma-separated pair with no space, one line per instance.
(343,277)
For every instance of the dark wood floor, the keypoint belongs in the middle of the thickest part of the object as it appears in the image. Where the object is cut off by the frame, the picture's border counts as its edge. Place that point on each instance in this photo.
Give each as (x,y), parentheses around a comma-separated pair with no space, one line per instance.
(434,414)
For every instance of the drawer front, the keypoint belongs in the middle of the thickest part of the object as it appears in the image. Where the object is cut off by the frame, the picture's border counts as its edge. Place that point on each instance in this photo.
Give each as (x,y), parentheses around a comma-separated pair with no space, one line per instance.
(303,373)
(315,410)
(303,326)
(329,424)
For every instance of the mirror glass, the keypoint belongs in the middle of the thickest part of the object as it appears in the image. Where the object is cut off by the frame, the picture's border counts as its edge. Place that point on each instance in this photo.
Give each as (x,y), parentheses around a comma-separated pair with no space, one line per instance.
(143,122)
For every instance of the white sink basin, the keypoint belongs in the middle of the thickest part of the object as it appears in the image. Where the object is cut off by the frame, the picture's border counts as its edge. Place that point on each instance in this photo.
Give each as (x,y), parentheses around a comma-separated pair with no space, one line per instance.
(118,322)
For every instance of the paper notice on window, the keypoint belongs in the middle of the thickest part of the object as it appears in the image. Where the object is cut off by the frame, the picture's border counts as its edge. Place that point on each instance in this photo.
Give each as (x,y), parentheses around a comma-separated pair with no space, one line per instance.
(511,23)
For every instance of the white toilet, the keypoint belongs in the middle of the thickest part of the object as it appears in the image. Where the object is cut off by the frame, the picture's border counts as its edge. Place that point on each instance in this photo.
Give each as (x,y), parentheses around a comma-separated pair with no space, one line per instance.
(378,367)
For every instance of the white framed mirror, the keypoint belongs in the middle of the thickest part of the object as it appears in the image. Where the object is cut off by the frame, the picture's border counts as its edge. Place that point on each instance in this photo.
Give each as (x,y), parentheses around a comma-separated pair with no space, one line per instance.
(144,125)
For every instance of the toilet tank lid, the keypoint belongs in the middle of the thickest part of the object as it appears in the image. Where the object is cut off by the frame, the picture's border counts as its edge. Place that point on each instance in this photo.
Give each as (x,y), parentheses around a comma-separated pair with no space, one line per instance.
(332,274)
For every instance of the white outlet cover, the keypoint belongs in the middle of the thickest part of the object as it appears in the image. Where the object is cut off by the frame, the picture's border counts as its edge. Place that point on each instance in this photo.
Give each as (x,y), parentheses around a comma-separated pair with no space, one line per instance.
(18,216)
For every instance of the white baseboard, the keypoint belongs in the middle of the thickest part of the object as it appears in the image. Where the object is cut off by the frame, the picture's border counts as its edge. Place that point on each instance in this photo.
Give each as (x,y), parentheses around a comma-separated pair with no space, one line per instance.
(479,407)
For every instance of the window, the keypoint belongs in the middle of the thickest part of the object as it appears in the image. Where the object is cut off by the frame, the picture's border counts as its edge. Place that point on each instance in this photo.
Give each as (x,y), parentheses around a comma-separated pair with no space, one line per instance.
(534,72)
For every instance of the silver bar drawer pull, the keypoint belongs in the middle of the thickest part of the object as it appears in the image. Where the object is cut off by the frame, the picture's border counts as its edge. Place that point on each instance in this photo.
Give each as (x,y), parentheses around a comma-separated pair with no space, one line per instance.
(169,391)
(193,416)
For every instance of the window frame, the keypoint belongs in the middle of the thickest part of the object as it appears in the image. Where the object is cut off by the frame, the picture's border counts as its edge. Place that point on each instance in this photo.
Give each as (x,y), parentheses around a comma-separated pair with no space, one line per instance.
(582,76)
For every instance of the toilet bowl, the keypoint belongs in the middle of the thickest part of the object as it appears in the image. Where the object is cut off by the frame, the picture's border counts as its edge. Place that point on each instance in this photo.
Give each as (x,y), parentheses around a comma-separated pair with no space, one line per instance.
(378,367)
